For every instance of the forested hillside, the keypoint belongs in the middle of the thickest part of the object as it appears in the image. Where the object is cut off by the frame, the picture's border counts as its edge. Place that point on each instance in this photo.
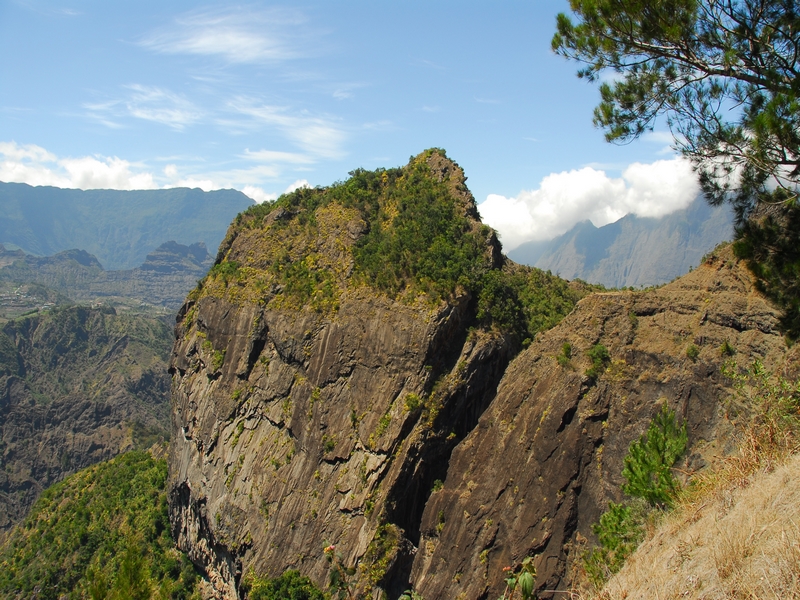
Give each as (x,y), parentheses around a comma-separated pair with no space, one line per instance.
(80,386)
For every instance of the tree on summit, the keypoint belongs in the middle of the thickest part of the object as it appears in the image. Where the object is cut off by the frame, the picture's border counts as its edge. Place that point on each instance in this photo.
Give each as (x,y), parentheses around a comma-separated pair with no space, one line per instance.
(724,76)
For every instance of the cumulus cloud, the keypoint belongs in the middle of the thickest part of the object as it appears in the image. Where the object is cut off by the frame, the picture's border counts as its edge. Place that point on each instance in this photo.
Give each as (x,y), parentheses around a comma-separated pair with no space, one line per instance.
(564,199)
(239,35)
(258,194)
(34,165)
(300,183)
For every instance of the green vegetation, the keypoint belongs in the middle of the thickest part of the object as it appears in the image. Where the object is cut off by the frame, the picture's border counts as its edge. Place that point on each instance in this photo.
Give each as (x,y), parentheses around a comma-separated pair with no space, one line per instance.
(102,533)
(619,532)
(724,74)
(419,239)
(726,349)
(291,585)
(566,355)
(648,465)
(227,271)
(600,358)
(650,485)
(692,352)
(522,579)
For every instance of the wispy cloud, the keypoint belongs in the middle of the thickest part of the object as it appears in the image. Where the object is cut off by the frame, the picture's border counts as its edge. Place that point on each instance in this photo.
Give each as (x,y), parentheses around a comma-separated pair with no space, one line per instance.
(294,158)
(319,136)
(149,103)
(430,64)
(238,35)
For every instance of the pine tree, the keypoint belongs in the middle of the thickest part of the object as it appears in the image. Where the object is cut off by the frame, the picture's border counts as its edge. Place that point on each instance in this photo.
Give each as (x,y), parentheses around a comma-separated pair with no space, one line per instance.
(648,465)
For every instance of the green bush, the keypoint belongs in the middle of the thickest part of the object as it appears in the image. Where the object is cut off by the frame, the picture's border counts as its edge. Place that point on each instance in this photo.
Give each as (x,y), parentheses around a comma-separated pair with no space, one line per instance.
(600,357)
(692,352)
(566,354)
(726,349)
(648,465)
(619,531)
(291,585)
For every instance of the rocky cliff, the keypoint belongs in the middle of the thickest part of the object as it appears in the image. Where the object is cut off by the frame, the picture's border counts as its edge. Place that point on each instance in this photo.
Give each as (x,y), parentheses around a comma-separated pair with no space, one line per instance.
(344,376)
(546,457)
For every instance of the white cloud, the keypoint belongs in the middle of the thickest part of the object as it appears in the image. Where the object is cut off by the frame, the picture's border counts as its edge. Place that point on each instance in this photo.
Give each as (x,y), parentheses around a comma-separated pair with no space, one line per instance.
(258,194)
(162,106)
(238,35)
(318,136)
(274,156)
(300,183)
(89,172)
(34,165)
(150,104)
(564,199)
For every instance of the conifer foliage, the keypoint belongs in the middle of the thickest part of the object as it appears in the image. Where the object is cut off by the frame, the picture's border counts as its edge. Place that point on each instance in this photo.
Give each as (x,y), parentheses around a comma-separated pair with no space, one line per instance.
(648,465)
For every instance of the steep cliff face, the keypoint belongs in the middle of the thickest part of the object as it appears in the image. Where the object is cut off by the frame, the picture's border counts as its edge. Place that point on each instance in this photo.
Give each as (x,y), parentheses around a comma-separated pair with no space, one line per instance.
(344,376)
(546,457)
(325,370)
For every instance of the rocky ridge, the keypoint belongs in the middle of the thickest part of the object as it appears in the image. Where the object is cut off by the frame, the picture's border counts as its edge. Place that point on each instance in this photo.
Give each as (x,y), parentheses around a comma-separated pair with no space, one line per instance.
(311,408)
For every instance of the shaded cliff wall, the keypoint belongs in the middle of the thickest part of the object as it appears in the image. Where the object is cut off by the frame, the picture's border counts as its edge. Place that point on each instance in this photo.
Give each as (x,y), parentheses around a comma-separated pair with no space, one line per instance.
(546,457)
(311,409)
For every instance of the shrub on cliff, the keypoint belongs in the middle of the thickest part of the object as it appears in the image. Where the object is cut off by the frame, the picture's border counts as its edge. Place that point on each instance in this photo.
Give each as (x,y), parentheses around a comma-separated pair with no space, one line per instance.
(419,237)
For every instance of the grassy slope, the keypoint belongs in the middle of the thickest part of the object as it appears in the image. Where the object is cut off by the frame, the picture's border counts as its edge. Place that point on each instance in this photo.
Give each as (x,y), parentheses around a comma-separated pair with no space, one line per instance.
(741,541)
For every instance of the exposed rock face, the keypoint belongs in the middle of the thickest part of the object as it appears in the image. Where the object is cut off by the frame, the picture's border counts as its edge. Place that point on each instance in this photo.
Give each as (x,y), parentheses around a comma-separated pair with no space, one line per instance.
(305,435)
(77,386)
(546,457)
(295,429)
(300,426)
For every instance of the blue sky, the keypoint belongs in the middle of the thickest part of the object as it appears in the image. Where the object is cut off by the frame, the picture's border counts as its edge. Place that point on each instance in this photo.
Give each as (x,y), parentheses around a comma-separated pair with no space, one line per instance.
(262,97)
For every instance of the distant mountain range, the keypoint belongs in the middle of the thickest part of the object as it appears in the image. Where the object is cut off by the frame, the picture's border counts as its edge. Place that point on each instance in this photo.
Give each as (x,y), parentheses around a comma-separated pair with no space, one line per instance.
(162,281)
(120,228)
(634,251)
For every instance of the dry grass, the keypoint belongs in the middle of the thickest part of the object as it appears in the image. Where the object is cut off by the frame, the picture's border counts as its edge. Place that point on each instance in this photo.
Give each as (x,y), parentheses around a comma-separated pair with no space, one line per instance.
(742,542)
(735,533)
